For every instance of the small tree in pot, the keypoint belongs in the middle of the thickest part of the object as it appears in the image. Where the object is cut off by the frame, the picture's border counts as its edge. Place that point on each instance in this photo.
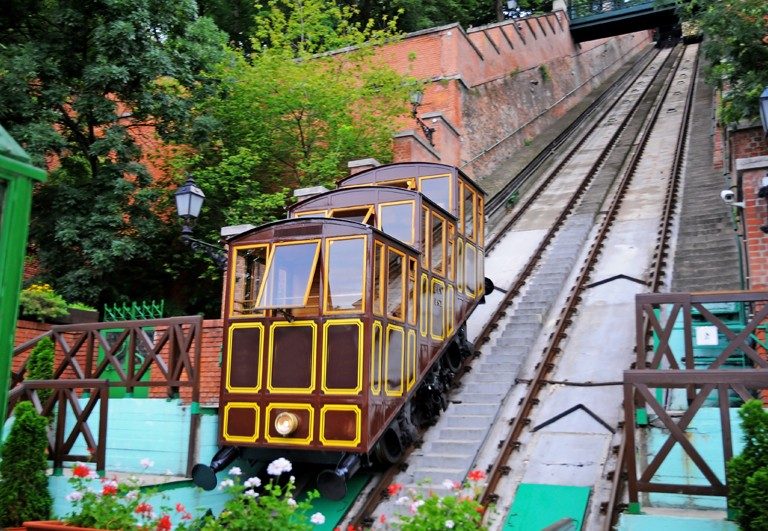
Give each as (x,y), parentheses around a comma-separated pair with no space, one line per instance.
(23,482)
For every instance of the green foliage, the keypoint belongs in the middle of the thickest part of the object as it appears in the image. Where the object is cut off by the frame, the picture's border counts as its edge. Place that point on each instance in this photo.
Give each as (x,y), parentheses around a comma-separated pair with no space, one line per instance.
(286,117)
(415,15)
(40,366)
(82,306)
(274,509)
(544,72)
(748,472)
(23,483)
(86,85)
(42,302)
(736,44)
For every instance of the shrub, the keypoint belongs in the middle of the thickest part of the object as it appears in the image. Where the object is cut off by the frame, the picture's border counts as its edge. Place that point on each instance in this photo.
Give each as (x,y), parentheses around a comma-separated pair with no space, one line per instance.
(23,482)
(41,302)
(40,366)
(748,472)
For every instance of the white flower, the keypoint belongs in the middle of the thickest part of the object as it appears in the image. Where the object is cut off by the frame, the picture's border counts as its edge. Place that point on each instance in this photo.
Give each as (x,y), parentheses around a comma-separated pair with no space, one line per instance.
(147,463)
(226,483)
(235,471)
(74,496)
(403,500)
(292,479)
(94,475)
(449,524)
(132,495)
(291,502)
(317,519)
(252,493)
(278,466)
(450,484)
(415,506)
(252,483)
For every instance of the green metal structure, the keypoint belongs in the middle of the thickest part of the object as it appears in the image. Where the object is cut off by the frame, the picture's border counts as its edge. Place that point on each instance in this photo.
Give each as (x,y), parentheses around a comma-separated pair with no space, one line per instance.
(17,176)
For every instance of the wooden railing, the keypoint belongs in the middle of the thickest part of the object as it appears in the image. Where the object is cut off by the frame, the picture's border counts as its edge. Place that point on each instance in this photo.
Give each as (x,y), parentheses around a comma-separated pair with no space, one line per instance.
(157,354)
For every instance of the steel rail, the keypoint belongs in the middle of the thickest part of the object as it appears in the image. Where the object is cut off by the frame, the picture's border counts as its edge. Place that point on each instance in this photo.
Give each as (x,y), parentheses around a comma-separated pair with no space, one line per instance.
(511,442)
(612,507)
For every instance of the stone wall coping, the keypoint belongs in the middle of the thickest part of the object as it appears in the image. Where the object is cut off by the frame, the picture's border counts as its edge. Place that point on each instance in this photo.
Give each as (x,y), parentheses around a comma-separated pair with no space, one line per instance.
(437,115)
(417,138)
(752,163)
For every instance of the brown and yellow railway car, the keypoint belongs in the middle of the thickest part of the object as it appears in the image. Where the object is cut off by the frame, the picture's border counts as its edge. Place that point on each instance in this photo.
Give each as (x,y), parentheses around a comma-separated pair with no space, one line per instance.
(344,323)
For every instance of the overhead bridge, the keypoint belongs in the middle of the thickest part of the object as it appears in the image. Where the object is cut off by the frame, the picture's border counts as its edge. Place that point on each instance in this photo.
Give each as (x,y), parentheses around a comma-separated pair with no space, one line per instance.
(596,19)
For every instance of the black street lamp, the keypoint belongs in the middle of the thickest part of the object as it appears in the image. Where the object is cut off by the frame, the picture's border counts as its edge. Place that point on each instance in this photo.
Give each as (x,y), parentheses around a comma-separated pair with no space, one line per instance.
(416,97)
(189,201)
(764,110)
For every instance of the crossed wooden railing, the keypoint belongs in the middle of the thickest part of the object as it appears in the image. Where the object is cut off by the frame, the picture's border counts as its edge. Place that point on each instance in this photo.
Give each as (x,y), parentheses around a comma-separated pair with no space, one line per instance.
(168,359)
(658,368)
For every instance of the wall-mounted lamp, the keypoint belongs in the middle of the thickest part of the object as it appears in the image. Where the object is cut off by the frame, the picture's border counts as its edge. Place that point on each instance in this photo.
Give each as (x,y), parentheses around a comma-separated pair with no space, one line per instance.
(764,110)
(416,97)
(189,200)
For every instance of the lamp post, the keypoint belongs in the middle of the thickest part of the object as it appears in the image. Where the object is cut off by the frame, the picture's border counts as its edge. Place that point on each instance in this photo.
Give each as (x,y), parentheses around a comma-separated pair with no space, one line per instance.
(416,97)
(764,110)
(189,200)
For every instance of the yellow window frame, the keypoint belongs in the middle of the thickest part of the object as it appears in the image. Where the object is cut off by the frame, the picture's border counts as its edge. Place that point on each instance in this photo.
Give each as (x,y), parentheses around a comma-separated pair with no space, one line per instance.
(426,231)
(379,260)
(380,218)
(403,284)
(376,347)
(423,314)
(436,281)
(313,364)
(413,291)
(467,289)
(441,270)
(450,251)
(400,390)
(450,316)
(339,442)
(326,286)
(324,367)
(227,385)
(225,421)
(369,213)
(450,188)
(311,213)
(232,275)
(480,220)
(310,277)
(289,440)
(411,359)
(460,265)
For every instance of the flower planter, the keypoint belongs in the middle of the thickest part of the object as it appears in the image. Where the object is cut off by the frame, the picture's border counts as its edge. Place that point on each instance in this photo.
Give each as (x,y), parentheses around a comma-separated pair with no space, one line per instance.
(54,525)
(76,316)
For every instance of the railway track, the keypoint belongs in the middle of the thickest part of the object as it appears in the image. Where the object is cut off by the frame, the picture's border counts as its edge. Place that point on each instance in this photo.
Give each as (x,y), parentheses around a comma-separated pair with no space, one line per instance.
(570,197)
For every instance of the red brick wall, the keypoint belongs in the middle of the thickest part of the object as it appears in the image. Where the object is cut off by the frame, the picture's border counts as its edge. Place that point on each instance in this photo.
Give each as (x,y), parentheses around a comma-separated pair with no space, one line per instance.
(748,142)
(482,81)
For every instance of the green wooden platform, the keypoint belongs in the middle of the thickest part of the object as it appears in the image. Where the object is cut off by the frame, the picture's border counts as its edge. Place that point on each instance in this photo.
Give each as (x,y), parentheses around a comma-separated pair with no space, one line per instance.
(537,506)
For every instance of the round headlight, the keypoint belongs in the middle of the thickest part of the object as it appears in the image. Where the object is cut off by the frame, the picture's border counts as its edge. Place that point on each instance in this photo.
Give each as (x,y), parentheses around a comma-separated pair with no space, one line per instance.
(286,423)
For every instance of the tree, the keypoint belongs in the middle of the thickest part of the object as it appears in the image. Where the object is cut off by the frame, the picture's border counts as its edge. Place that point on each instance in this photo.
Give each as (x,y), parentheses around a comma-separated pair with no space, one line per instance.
(414,15)
(24,492)
(736,44)
(88,86)
(294,113)
(40,366)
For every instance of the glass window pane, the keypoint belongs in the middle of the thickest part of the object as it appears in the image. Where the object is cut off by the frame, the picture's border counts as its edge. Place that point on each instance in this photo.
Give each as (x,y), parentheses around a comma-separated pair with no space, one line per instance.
(397,221)
(425,243)
(438,307)
(438,189)
(394,361)
(395,283)
(469,213)
(449,251)
(345,274)
(311,214)
(378,280)
(248,273)
(290,272)
(412,290)
(359,214)
(471,270)
(438,243)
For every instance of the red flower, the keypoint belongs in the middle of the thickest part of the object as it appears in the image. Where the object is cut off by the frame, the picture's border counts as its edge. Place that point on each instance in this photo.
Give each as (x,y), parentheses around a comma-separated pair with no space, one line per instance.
(164,524)
(476,475)
(186,516)
(180,508)
(109,489)
(394,488)
(383,518)
(144,508)
(81,471)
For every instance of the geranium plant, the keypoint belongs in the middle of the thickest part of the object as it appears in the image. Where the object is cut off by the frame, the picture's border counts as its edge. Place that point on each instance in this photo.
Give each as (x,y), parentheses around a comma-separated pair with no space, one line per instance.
(104,503)
(459,510)
(266,507)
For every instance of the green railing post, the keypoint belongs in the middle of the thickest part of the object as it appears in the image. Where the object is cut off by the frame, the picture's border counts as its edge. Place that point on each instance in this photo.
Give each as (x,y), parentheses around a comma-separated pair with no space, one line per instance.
(16,178)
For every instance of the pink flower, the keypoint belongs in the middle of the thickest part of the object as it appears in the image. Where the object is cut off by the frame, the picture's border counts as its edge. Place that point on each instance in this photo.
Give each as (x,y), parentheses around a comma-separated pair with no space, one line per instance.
(476,475)
(143,508)
(180,508)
